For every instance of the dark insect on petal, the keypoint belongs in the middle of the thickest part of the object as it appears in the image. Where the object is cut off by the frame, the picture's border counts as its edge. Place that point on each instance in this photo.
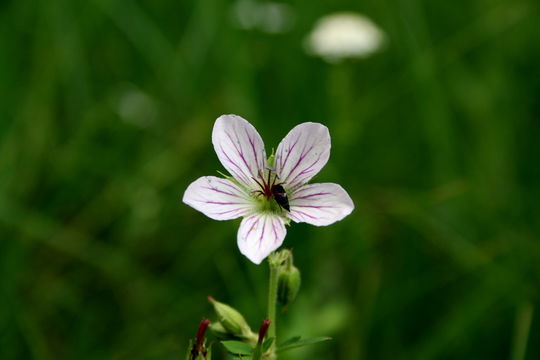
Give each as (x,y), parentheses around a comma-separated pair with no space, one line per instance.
(281,196)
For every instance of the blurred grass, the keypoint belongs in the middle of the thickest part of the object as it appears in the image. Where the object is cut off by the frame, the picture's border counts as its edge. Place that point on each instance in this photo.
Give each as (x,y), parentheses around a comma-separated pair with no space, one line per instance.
(105,117)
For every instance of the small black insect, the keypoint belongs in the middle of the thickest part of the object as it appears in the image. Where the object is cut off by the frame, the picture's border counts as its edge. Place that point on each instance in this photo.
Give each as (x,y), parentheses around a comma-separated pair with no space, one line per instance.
(280,196)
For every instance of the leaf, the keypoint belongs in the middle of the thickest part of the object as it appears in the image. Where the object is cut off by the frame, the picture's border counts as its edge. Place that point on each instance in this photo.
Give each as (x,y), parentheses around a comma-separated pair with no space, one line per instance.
(290,341)
(257,353)
(267,343)
(237,347)
(289,344)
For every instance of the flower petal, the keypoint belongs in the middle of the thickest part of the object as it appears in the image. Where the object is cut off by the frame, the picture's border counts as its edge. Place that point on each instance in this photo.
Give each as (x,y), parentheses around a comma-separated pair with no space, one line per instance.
(319,204)
(217,198)
(302,153)
(259,235)
(240,148)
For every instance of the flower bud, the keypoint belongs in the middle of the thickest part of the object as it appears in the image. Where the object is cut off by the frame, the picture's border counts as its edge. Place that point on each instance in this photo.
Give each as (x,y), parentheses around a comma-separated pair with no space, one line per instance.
(201,331)
(198,349)
(259,348)
(219,331)
(231,320)
(263,329)
(288,284)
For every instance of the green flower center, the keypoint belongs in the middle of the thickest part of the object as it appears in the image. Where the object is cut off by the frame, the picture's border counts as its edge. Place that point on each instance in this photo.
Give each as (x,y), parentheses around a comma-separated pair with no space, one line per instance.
(268,205)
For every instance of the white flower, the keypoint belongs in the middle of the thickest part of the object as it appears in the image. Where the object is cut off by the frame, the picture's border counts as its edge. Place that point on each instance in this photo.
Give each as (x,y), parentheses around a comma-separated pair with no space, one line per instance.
(344,35)
(268,193)
(134,106)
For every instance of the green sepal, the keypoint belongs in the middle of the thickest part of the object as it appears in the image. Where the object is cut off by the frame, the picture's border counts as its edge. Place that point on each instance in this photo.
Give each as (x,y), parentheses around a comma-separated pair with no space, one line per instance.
(271,159)
(278,258)
(219,331)
(188,353)
(200,356)
(228,177)
(233,180)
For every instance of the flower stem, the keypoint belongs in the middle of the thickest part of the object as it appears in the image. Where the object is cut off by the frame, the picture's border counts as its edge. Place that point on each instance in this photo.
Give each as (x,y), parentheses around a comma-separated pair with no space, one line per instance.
(272,297)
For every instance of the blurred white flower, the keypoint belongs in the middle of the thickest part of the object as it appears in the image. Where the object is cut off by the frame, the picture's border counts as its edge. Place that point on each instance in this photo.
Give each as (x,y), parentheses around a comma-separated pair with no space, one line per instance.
(344,35)
(134,106)
(269,17)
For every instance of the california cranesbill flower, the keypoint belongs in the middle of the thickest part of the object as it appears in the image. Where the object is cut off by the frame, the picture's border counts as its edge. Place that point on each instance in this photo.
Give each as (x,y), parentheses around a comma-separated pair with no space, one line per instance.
(345,35)
(268,192)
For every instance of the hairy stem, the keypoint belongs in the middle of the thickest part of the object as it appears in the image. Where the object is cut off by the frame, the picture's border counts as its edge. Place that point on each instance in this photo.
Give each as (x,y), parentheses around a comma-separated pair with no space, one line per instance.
(272,298)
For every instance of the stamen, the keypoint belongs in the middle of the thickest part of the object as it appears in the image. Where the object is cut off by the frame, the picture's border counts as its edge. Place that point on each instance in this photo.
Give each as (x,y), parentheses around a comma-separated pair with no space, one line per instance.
(274,181)
(268,181)
(258,192)
(257,181)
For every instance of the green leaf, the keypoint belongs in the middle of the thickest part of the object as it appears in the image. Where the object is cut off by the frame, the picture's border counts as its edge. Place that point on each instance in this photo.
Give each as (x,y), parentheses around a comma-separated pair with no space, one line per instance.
(257,353)
(289,344)
(237,347)
(290,341)
(261,349)
(267,343)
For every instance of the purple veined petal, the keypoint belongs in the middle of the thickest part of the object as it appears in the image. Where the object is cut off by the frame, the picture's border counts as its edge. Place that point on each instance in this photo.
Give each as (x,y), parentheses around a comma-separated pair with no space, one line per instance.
(217,198)
(240,148)
(259,235)
(319,204)
(302,153)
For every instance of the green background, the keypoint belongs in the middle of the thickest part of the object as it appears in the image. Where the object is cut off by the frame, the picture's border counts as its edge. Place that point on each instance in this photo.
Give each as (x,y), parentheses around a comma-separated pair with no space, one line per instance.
(106,111)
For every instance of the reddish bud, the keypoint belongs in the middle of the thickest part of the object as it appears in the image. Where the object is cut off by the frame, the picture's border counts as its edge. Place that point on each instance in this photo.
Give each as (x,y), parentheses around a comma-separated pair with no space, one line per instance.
(199,348)
(200,333)
(263,329)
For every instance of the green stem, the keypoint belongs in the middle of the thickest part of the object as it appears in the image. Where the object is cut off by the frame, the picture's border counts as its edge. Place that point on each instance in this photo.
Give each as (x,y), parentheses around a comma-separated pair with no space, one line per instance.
(272,298)
(521,332)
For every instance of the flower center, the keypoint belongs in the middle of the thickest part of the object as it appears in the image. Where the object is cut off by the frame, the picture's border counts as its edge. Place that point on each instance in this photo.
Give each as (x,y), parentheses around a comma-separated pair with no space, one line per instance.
(274,197)
(266,183)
